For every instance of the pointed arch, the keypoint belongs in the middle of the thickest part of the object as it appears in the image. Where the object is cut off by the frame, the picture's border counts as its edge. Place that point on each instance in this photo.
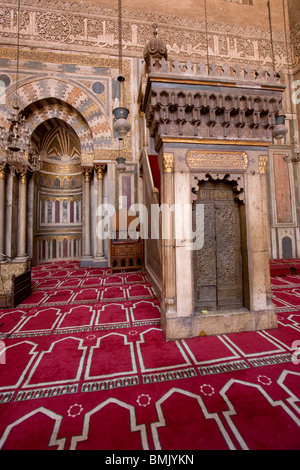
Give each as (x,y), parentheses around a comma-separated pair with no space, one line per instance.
(52,89)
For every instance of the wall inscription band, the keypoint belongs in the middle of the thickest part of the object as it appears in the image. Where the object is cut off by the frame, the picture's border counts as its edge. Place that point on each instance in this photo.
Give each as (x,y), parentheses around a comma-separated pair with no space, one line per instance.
(229,161)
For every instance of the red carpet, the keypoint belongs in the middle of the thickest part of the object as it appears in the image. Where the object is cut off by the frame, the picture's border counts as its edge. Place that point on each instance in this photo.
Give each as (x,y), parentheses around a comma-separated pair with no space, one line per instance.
(84,365)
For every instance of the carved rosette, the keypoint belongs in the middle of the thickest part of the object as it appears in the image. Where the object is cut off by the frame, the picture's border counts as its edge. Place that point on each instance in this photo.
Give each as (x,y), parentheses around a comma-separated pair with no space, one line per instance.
(53,27)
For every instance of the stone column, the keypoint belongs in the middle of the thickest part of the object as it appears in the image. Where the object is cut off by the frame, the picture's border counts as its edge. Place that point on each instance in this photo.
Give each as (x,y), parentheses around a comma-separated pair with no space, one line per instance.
(265,240)
(22,217)
(295,158)
(86,210)
(99,231)
(2,215)
(10,237)
(258,234)
(168,235)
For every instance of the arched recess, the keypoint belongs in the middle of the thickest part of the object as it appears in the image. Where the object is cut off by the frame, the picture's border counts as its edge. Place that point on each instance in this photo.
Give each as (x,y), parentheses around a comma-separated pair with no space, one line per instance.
(52,108)
(57,199)
(287,248)
(52,89)
(48,101)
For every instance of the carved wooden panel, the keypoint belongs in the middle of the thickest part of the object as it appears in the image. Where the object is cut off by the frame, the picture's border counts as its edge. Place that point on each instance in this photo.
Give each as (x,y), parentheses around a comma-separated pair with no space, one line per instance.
(218,264)
(126,255)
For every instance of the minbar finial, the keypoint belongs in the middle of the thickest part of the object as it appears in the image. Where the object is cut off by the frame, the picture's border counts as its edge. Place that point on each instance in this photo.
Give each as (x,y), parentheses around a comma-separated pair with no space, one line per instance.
(155,48)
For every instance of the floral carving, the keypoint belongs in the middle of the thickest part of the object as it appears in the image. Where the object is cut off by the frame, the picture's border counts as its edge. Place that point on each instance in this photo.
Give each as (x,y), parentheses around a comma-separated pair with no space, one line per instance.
(53,27)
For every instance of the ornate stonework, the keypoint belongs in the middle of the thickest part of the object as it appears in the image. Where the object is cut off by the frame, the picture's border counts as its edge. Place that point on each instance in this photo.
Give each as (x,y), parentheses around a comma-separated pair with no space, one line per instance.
(168,162)
(263,161)
(85,105)
(81,26)
(218,161)
(204,110)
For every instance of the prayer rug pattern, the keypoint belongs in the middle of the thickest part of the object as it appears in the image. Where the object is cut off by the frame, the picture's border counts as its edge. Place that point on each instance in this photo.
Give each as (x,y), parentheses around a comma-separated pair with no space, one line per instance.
(84,365)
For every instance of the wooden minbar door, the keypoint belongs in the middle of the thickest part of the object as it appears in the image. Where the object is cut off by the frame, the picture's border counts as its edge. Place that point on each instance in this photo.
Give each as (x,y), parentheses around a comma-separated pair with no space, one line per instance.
(218,281)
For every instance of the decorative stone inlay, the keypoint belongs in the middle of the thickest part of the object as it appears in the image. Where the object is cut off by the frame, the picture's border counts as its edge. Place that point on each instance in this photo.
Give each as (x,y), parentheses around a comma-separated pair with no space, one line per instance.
(220,161)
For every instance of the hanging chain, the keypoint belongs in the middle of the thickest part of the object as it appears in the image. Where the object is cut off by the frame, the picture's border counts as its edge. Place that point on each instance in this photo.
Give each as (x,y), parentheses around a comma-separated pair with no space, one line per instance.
(206,36)
(120,78)
(120,37)
(271,35)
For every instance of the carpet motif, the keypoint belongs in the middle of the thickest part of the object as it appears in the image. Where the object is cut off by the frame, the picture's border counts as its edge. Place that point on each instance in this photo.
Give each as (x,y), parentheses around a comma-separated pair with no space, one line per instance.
(84,365)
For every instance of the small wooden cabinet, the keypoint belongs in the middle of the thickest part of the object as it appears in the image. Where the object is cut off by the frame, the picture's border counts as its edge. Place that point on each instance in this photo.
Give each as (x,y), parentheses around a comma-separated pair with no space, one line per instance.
(126,252)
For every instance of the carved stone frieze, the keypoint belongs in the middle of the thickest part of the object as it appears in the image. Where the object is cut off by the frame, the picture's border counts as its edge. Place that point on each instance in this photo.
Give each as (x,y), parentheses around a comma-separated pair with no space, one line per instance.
(81,25)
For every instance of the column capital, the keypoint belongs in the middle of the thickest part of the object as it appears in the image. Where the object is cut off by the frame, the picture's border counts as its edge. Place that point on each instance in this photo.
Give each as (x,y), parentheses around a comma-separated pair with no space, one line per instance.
(168,162)
(87,173)
(3,173)
(23,176)
(100,170)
